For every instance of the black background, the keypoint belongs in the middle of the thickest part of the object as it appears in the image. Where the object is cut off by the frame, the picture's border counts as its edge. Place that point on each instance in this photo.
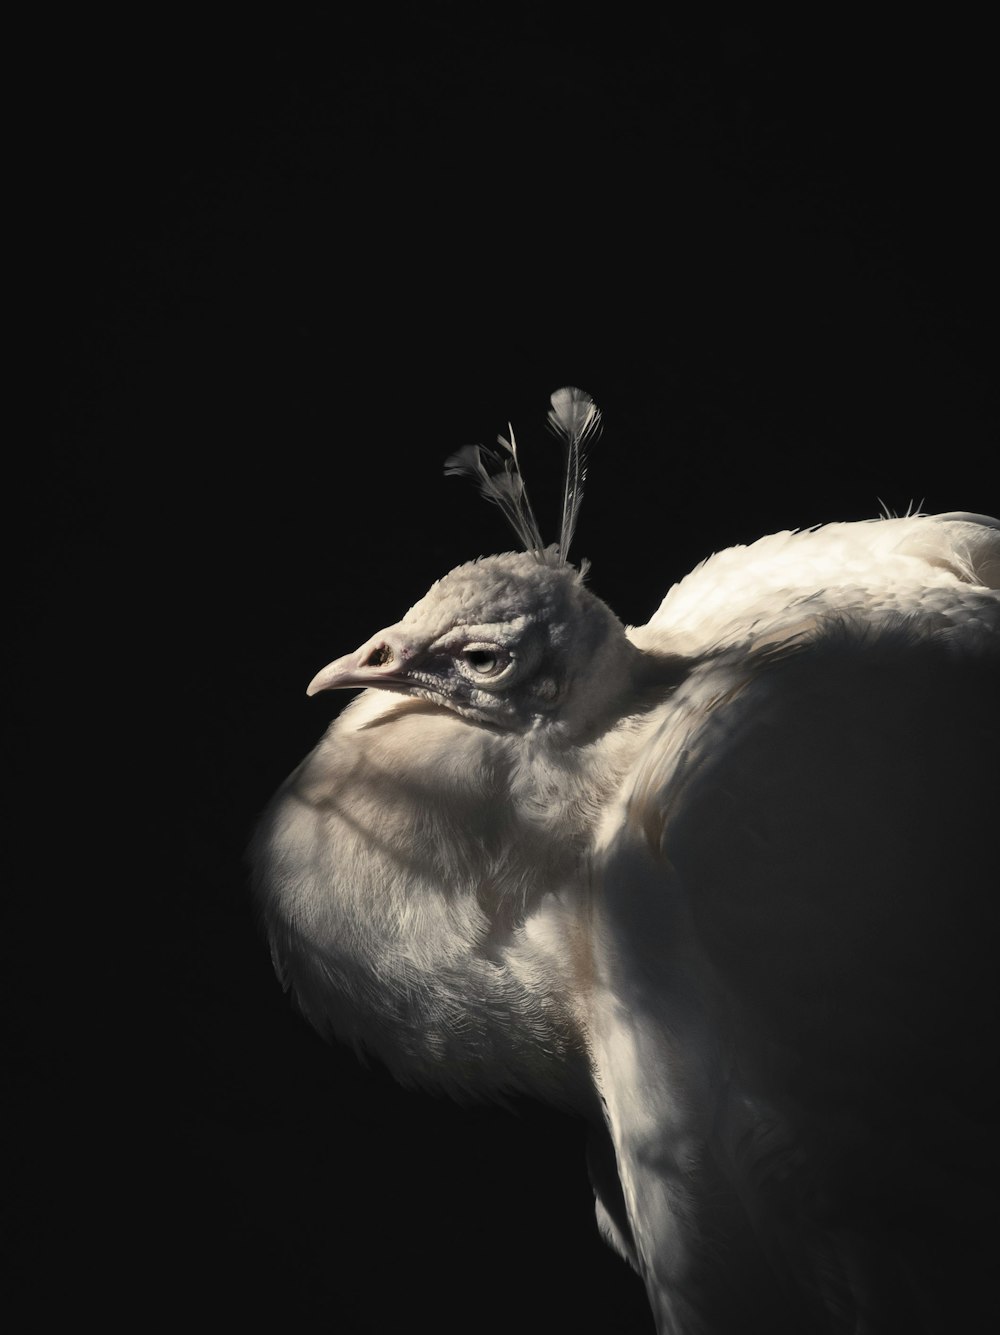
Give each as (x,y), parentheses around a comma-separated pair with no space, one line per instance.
(279,269)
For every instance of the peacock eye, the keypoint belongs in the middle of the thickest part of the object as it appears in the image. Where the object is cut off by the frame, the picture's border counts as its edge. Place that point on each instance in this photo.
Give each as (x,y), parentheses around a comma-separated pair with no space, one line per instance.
(485,661)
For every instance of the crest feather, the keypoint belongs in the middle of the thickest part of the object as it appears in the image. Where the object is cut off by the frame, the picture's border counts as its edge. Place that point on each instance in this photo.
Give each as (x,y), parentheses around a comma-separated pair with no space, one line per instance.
(498,476)
(576,419)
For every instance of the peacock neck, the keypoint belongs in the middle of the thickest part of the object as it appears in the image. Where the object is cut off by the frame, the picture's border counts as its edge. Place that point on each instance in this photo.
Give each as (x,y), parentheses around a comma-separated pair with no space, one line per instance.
(428,907)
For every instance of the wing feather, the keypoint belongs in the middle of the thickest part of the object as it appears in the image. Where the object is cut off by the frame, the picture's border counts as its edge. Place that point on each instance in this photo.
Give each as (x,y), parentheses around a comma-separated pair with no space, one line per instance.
(798,1005)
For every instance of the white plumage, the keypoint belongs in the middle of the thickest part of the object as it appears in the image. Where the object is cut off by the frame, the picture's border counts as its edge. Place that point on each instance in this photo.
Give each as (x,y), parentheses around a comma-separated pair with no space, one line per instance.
(723,884)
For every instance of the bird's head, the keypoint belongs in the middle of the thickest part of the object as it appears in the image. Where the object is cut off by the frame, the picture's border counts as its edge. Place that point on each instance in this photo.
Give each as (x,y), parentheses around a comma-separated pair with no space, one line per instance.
(506,641)
(515,642)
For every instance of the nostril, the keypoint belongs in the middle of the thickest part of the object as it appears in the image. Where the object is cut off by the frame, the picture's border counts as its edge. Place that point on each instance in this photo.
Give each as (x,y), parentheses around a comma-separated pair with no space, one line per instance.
(378,657)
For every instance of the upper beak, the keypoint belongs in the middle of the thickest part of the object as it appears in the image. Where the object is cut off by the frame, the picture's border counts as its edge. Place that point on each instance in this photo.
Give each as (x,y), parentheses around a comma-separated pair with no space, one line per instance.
(382,661)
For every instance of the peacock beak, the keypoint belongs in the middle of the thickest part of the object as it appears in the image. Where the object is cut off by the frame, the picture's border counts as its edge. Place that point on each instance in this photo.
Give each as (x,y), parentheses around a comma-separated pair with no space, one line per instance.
(382,661)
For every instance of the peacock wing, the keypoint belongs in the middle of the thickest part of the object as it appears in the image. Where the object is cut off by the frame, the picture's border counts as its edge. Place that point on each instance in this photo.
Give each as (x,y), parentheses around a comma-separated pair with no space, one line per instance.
(796,1006)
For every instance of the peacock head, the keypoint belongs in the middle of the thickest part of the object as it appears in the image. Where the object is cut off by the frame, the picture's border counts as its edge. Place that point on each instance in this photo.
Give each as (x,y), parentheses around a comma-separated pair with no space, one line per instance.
(507,641)
(514,641)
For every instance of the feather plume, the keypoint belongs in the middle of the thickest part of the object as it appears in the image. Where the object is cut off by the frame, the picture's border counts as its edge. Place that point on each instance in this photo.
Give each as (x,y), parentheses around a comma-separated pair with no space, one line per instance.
(576,418)
(499,479)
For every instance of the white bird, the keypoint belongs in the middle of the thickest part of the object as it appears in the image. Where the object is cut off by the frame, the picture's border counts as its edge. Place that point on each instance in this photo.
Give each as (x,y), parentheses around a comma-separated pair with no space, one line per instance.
(723,884)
